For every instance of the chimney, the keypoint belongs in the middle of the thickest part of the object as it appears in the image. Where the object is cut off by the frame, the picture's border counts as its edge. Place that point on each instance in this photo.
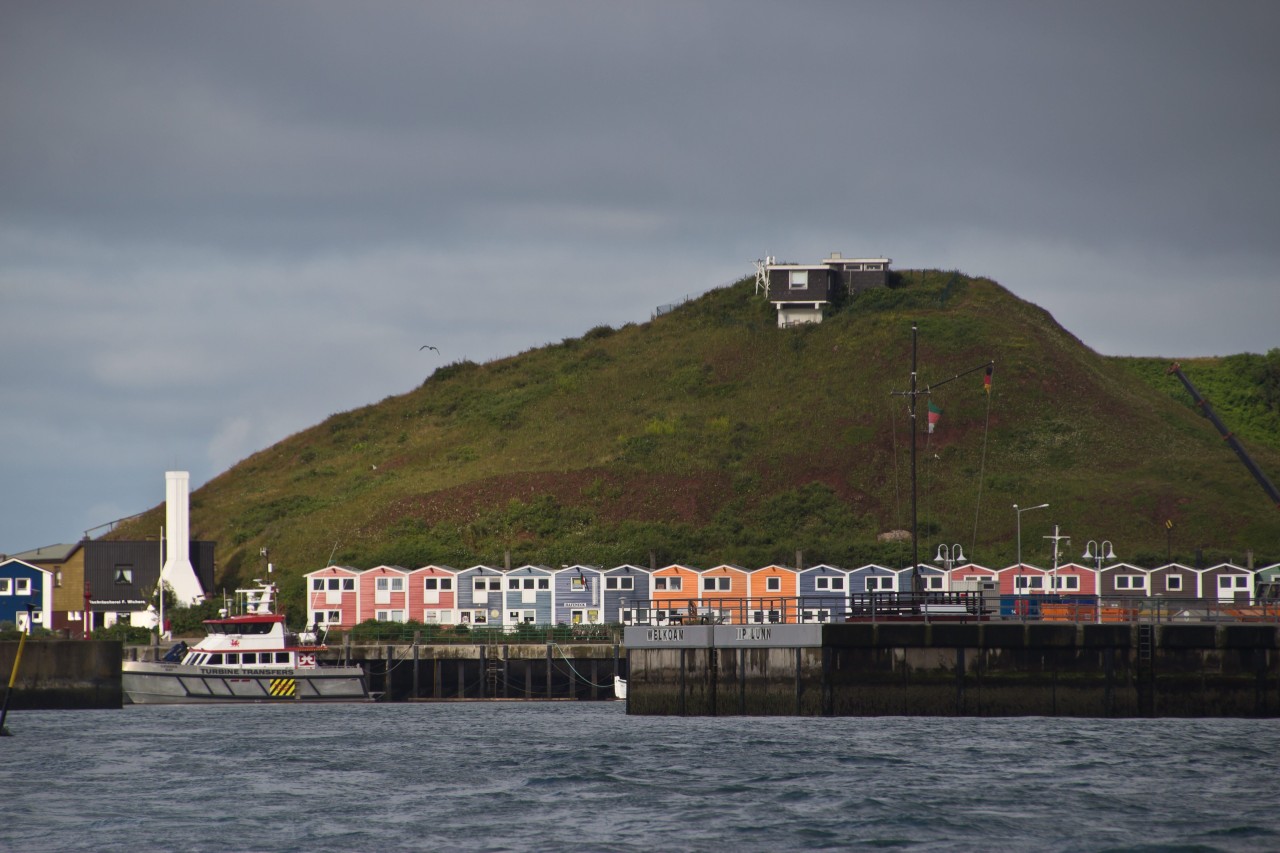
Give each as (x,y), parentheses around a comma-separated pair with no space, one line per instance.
(178,571)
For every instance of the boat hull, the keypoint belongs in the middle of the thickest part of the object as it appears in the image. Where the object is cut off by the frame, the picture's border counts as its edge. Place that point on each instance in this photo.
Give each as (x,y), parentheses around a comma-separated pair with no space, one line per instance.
(148,683)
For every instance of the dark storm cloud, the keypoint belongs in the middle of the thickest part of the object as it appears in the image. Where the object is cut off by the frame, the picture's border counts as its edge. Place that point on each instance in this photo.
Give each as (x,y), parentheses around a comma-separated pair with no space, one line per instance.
(221,222)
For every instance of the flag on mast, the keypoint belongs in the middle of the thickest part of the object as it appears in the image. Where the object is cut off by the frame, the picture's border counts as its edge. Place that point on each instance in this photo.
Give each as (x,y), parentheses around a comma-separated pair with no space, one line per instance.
(934,414)
(986,380)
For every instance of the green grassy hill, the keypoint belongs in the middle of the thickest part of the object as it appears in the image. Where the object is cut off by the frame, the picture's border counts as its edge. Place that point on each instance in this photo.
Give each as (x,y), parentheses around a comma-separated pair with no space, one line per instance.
(710,436)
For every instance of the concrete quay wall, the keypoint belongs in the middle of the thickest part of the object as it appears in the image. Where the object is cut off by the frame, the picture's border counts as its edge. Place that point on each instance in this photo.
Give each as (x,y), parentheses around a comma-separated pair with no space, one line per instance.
(56,674)
(954,669)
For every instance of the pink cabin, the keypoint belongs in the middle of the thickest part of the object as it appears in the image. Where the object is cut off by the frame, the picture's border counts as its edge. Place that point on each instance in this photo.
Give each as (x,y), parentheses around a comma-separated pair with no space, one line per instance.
(773,591)
(724,592)
(433,595)
(382,594)
(970,577)
(332,597)
(674,593)
(1073,579)
(1023,580)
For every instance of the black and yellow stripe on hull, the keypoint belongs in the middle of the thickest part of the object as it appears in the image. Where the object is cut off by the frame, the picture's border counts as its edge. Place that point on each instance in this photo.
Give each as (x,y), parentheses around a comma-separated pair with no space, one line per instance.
(283,688)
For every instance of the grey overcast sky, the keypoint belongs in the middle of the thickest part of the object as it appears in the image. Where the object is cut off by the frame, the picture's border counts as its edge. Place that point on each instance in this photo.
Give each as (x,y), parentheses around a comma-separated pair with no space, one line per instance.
(222,222)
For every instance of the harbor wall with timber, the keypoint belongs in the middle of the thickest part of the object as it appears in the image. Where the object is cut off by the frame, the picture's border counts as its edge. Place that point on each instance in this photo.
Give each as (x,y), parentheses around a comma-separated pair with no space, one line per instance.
(956,669)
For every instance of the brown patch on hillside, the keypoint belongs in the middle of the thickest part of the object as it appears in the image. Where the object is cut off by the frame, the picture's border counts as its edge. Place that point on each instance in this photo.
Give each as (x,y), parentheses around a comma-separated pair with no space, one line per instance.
(614,497)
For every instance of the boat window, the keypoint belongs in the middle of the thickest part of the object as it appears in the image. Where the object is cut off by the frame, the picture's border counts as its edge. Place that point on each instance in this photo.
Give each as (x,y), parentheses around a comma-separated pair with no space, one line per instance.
(233,658)
(215,659)
(249,657)
(282,657)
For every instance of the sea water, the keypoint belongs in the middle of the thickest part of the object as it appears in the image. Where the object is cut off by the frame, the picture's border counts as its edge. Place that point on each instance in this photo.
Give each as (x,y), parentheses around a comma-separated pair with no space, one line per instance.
(585,776)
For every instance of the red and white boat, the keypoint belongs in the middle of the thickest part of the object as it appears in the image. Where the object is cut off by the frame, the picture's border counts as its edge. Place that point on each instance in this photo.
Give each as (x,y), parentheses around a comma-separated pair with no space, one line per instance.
(249,657)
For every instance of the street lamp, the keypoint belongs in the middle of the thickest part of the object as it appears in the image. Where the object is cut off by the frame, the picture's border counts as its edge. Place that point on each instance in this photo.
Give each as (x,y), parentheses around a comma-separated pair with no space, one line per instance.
(1020,511)
(949,555)
(1104,549)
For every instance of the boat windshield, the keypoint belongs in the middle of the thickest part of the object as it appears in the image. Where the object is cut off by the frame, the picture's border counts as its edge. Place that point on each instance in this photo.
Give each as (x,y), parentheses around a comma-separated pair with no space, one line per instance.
(241,628)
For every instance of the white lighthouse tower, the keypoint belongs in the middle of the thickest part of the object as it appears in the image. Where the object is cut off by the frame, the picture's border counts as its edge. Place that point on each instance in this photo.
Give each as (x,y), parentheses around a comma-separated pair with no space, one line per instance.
(178,572)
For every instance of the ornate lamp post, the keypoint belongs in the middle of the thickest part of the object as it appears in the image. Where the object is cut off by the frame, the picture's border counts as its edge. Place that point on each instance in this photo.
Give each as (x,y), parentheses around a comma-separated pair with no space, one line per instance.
(1105,552)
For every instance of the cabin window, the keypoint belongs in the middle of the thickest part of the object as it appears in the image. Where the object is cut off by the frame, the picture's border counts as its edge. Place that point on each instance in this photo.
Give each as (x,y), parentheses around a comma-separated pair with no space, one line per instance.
(525,617)
(389,584)
(6,586)
(669,584)
(1028,582)
(715,584)
(23,586)
(933,582)
(875,584)
(389,615)
(829,583)
(773,584)
(348,584)
(544,583)
(431,583)
(335,584)
(1067,582)
(577,584)
(1130,582)
(124,574)
(1233,582)
(317,584)
(619,583)
(529,583)
(1173,583)
(798,280)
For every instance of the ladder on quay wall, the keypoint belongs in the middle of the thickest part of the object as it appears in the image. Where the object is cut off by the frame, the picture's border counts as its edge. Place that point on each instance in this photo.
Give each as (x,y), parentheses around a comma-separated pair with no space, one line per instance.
(1146,670)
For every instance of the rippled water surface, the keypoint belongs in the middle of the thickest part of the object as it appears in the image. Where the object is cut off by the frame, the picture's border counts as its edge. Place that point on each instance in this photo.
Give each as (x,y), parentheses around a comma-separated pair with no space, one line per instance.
(551,776)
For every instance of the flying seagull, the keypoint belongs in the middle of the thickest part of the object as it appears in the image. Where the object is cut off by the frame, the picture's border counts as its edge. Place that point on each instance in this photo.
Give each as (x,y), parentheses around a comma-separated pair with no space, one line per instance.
(427,346)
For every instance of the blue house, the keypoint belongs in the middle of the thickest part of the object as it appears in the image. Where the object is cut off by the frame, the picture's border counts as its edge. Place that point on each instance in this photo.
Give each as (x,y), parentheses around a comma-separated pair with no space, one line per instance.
(624,588)
(579,595)
(23,585)
(824,594)
(479,590)
(528,597)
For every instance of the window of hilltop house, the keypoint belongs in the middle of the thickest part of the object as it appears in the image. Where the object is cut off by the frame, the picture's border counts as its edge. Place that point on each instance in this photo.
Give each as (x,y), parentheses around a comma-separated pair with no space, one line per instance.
(124,574)
(798,280)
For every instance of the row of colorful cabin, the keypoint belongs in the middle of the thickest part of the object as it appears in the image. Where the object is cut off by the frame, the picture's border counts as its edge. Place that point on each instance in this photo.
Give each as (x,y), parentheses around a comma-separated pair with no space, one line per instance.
(340,596)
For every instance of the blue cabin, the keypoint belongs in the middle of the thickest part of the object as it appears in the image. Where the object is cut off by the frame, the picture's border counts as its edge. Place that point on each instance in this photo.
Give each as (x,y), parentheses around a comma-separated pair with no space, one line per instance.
(528,597)
(873,578)
(579,596)
(624,586)
(479,591)
(824,594)
(23,585)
